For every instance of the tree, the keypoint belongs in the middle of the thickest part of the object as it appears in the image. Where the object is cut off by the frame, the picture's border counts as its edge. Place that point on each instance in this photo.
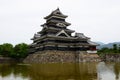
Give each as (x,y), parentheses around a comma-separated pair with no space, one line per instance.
(1,49)
(104,50)
(119,48)
(6,49)
(20,50)
(115,48)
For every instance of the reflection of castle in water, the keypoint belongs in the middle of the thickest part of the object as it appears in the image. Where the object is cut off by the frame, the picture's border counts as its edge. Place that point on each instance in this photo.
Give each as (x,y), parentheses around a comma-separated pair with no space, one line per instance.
(82,71)
(69,71)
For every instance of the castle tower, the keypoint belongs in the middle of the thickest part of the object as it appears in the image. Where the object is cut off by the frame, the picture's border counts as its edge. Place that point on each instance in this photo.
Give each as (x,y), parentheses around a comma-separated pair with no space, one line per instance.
(55,35)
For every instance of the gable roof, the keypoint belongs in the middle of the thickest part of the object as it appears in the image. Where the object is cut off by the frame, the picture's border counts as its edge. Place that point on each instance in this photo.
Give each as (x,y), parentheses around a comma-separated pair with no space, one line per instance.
(62,32)
(56,12)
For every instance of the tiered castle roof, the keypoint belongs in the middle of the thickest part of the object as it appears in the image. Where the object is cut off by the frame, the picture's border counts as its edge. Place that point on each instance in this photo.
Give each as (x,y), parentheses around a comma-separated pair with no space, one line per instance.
(56,36)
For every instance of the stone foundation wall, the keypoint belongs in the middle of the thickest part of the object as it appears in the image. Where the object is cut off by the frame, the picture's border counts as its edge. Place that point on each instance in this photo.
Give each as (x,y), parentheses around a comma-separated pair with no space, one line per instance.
(112,57)
(61,56)
(7,60)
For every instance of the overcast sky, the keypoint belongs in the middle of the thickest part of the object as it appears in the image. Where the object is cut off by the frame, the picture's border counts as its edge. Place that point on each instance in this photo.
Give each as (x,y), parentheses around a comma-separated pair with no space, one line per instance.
(98,19)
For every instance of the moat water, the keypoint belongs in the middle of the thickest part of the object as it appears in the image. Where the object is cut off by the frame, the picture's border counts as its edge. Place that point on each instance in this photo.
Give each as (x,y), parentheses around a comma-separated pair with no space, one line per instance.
(61,71)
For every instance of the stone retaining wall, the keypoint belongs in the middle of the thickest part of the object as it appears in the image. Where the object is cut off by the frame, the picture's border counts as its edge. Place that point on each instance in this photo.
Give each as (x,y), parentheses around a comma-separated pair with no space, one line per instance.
(7,60)
(112,57)
(61,56)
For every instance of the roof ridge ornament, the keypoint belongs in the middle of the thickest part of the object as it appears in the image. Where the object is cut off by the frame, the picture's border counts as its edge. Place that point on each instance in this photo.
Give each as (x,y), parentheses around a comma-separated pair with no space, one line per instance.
(58,8)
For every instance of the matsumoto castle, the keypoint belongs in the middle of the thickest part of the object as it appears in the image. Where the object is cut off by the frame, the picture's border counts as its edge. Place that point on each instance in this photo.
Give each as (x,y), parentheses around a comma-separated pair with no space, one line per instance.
(55,35)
